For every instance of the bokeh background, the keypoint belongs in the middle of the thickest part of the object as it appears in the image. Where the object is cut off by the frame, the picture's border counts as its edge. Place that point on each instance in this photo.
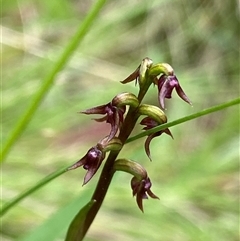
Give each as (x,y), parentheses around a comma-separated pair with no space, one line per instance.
(196,175)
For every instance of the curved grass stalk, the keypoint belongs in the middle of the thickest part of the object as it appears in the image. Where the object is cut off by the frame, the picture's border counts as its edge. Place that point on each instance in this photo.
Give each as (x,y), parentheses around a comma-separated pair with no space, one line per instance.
(49,80)
(186,118)
(31,190)
(57,173)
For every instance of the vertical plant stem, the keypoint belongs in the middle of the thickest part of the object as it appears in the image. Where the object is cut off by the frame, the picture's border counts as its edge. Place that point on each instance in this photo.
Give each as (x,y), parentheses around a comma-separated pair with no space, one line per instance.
(107,172)
(49,80)
(106,177)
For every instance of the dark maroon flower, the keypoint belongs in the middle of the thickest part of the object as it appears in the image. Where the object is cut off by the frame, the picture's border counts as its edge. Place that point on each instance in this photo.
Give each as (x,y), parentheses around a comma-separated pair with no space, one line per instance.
(166,84)
(113,116)
(140,189)
(140,183)
(150,123)
(91,162)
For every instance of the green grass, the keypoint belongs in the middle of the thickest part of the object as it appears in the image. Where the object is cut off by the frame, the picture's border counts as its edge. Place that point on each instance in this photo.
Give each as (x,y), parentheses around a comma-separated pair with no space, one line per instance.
(195,175)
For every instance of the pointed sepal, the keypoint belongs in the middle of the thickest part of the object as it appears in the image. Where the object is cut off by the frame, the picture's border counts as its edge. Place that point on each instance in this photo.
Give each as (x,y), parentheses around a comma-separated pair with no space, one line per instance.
(139,75)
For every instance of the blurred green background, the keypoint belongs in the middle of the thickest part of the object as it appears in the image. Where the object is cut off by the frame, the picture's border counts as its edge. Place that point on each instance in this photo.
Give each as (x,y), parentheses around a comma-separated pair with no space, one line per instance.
(196,175)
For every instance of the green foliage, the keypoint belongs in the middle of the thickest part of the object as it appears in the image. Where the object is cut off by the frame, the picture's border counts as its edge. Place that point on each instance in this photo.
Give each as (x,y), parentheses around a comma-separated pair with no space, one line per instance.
(75,231)
(197,184)
(57,224)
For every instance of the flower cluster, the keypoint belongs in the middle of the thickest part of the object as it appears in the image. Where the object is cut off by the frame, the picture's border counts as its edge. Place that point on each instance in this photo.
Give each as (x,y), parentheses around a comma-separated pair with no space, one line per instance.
(114,113)
(166,82)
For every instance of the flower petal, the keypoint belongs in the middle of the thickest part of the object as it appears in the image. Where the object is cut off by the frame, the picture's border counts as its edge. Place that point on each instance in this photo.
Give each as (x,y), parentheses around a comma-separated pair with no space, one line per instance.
(149,123)
(139,202)
(114,126)
(165,92)
(151,194)
(147,144)
(95,110)
(90,173)
(182,95)
(104,118)
(133,76)
(79,163)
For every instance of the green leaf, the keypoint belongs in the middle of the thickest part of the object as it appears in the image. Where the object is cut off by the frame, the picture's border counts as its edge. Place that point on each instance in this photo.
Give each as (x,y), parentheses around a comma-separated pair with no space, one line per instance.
(75,231)
(56,226)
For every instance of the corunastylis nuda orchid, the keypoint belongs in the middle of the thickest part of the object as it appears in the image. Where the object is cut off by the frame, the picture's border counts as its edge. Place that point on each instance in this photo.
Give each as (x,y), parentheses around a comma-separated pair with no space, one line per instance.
(122,113)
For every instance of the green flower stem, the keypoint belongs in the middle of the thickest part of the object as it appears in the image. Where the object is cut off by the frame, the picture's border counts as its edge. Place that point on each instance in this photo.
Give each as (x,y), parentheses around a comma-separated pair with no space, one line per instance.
(108,171)
(186,118)
(48,81)
(31,190)
(57,173)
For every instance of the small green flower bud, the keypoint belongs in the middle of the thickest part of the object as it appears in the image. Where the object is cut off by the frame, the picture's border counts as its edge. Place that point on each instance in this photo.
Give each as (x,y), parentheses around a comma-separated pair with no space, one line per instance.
(153,112)
(124,99)
(162,68)
(140,73)
(145,65)
(106,145)
(130,167)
